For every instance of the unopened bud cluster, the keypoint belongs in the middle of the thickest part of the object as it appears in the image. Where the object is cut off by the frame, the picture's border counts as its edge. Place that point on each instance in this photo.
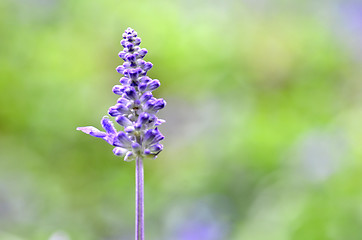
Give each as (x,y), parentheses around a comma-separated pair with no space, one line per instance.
(136,107)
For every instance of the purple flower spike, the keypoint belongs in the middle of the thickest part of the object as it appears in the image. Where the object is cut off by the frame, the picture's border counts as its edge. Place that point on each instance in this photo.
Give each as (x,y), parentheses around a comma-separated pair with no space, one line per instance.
(135,112)
(136,107)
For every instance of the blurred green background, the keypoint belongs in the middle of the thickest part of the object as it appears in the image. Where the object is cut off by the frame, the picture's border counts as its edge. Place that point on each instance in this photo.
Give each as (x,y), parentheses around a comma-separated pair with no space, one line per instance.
(263,133)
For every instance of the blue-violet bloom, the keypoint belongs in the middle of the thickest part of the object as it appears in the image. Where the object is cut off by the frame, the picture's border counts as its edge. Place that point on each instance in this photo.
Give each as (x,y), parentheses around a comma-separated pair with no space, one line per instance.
(136,108)
(135,111)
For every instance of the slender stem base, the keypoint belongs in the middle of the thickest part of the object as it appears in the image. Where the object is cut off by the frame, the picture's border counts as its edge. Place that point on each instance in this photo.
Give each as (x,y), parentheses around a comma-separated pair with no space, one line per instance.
(140,235)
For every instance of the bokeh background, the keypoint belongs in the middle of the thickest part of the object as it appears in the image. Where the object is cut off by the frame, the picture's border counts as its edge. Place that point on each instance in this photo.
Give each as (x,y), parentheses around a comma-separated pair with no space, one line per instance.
(264,115)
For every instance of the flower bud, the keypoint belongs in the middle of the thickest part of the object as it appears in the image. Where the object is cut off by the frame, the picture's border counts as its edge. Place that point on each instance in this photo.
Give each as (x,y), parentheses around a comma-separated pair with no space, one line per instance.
(124,81)
(122,140)
(130,156)
(130,93)
(123,121)
(130,57)
(142,87)
(119,151)
(118,89)
(148,66)
(156,147)
(137,41)
(146,96)
(136,146)
(120,69)
(154,84)
(143,52)
(159,104)
(123,42)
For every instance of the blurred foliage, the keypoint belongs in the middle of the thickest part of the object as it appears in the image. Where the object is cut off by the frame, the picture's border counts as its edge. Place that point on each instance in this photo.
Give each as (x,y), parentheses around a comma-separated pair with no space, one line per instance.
(263,133)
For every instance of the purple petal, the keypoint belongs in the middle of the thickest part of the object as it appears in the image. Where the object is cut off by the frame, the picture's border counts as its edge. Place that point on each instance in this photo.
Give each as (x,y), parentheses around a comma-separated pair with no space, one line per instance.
(118,89)
(108,125)
(120,108)
(137,41)
(156,147)
(148,66)
(143,52)
(142,87)
(123,100)
(123,42)
(113,112)
(120,69)
(123,121)
(146,96)
(129,157)
(124,81)
(159,122)
(129,129)
(154,84)
(136,146)
(159,104)
(130,57)
(141,62)
(149,136)
(92,131)
(145,79)
(119,151)
(130,93)
(126,65)
(122,140)
(157,139)
(143,118)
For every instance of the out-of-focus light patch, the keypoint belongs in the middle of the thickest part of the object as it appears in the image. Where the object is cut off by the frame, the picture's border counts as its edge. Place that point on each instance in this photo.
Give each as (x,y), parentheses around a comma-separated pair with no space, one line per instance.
(187,122)
(9,236)
(344,19)
(219,9)
(36,9)
(349,26)
(273,213)
(202,219)
(59,235)
(18,204)
(319,155)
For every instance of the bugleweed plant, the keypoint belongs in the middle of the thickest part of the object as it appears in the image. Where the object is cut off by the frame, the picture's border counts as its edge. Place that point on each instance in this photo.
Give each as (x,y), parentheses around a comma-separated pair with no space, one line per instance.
(136,112)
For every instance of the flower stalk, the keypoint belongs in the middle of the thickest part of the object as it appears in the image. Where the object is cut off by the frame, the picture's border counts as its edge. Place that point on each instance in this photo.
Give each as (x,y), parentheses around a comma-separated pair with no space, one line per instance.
(139,200)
